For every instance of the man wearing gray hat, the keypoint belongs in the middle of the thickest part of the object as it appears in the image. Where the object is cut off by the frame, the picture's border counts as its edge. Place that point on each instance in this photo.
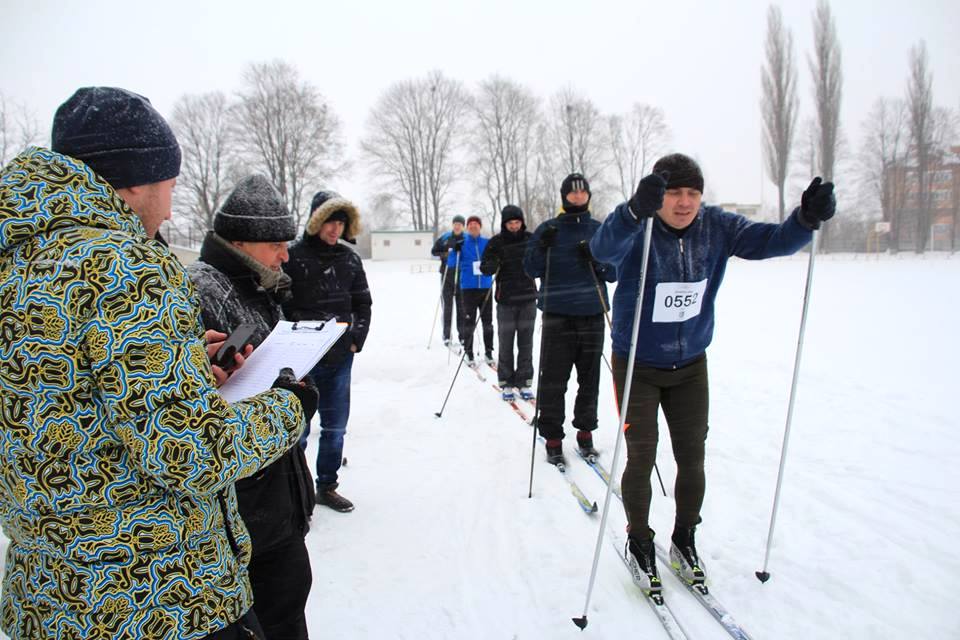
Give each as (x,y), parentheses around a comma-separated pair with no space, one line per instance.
(240,280)
(449,289)
(119,454)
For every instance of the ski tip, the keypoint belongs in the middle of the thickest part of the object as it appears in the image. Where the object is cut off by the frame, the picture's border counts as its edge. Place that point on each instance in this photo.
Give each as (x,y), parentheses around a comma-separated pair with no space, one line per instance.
(762,576)
(581,622)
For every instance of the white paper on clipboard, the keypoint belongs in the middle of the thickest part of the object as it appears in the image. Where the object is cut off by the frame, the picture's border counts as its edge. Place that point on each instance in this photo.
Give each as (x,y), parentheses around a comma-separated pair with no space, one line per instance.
(298,345)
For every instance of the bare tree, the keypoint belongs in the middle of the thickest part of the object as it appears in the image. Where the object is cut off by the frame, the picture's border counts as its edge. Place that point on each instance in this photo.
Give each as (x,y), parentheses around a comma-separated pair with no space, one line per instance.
(920,115)
(288,131)
(883,161)
(779,101)
(412,133)
(209,167)
(506,116)
(18,129)
(827,90)
(636,140)
(382,213)
(578,134)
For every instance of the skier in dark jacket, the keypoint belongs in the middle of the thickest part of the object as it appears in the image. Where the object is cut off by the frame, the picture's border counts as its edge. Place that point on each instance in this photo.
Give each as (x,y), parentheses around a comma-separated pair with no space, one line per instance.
(329,282)
(239,280)
(449,283)
(573,298)
(516,297)
(691,244)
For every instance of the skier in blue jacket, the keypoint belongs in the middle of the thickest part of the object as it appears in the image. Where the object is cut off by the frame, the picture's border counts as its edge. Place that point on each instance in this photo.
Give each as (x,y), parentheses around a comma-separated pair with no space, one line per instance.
(690,246)
(474,289)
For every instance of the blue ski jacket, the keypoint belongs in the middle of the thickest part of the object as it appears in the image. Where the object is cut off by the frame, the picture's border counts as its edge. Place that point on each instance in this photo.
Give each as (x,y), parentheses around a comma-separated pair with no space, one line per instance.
(470,257)
(569,288)
(684,274)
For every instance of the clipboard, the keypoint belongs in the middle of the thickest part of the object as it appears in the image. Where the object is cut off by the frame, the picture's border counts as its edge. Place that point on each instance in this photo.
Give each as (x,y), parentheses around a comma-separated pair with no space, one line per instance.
(298,345)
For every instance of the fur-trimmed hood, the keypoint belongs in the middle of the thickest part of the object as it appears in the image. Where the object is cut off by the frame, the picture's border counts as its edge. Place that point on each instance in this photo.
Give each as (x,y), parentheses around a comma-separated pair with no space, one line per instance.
(327,202)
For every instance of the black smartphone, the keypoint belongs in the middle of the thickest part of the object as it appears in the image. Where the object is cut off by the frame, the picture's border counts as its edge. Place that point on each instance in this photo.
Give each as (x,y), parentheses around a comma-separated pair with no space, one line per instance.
(235,343)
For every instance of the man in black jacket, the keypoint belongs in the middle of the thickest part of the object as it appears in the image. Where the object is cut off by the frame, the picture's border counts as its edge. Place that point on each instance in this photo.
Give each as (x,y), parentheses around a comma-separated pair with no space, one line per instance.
(573,296)
(329,282)
(449,289)
(516,302)
(239,280)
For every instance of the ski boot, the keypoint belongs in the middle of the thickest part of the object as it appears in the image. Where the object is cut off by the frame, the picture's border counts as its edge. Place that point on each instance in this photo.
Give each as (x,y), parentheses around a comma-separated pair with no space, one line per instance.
(555,453)
(684,557)
(642,560)
(585,443)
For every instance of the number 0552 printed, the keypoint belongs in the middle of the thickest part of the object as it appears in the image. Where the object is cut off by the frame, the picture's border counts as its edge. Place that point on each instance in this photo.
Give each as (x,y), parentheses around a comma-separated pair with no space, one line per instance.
(678,301)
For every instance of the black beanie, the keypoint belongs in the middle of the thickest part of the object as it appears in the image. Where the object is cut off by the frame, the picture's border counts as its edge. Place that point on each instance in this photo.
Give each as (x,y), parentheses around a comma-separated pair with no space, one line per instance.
(460,219)
(573,182)
(684,171)
(118,134)
(255,212)
(511,212)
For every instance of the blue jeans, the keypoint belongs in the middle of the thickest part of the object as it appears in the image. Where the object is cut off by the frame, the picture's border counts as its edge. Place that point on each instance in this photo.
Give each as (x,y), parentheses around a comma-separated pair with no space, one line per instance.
(333,383)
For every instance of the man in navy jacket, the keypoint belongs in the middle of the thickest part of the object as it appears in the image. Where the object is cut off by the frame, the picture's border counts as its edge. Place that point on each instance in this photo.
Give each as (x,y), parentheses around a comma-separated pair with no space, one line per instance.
(573,298)
(690,246)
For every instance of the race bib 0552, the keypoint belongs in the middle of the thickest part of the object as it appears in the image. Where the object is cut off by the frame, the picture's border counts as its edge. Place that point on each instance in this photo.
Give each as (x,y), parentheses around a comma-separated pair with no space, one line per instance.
(678,301)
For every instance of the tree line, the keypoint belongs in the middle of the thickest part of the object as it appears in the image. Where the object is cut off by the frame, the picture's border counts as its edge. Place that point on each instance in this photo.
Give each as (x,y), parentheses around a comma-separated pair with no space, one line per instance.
(427,137)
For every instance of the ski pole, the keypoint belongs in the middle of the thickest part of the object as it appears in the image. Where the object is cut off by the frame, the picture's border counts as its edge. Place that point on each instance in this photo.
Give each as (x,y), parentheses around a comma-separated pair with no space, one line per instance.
(536,410)
(624,405)
(443,285)
(603,303)
(439,414)
(763,575)
(457,301)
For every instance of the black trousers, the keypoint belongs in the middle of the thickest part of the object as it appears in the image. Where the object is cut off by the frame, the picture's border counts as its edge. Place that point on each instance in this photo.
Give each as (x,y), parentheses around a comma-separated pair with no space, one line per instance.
(450,295)
(281,579)
(684,396)
(516,320)
(477,302)
(569,341)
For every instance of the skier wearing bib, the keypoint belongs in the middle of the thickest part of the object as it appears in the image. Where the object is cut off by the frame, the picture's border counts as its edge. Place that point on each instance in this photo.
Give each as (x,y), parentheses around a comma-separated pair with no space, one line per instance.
(690,246)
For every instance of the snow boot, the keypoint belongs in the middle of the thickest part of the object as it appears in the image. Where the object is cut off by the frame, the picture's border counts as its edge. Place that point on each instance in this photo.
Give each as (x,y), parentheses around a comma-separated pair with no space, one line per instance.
(527,393)
(585,442)
(684,556)
(327,496)
(642,560)
(555,453)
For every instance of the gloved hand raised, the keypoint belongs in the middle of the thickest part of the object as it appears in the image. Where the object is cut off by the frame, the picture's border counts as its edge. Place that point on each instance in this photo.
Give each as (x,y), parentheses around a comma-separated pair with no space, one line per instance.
(817,204)
(648,198)
(548,236)
(305,391)
(458,245)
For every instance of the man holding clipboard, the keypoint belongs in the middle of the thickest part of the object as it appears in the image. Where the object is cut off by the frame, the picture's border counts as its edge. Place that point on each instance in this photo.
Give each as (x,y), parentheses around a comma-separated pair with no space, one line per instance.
(241,284)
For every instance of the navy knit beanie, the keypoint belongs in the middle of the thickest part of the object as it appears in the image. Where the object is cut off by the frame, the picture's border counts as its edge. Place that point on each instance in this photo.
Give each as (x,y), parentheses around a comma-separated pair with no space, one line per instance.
(460,219)
(573,182)
(684,171)
(255,212)
(118,134)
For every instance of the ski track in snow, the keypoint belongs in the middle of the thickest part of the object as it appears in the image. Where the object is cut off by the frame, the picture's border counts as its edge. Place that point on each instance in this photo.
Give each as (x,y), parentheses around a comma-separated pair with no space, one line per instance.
(444,542)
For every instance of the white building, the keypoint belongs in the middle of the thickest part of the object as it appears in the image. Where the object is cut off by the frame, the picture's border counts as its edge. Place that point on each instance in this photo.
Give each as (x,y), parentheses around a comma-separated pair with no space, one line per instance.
(401,245)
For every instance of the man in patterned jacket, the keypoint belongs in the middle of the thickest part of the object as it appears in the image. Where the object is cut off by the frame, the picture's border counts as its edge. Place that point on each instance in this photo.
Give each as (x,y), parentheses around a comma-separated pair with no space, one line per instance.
(118,454)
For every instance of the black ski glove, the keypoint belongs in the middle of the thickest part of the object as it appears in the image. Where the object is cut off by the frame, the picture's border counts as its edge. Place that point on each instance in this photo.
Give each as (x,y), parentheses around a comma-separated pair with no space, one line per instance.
(548,236)
(305,391)
(648,198)
(817,204)
(458,245)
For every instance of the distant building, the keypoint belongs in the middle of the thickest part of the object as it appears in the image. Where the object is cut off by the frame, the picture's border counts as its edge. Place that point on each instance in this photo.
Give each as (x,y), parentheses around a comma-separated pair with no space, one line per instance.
(943,179)
(747,210)
(401,245)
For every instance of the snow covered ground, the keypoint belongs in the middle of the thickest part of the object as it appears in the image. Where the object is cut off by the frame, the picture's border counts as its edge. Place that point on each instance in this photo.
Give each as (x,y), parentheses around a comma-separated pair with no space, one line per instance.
(445,544)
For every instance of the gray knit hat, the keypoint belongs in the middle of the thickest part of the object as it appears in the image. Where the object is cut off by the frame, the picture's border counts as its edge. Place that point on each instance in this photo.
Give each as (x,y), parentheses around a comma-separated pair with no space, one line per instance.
(255,212)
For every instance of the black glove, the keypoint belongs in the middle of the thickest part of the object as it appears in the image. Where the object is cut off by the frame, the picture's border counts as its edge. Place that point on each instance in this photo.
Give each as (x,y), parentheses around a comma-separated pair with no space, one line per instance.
(817,204)
(548,235)
(458,245)
(648,198)
(306,391)
(585,253)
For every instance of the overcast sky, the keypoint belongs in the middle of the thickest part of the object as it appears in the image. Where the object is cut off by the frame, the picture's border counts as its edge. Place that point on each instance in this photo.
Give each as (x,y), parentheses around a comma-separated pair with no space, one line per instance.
(699,61)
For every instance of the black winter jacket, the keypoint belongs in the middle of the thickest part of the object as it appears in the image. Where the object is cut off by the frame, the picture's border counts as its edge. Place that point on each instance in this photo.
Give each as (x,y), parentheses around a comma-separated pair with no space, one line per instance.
(276,502)
(441,248)
(329,281)
(505,252)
